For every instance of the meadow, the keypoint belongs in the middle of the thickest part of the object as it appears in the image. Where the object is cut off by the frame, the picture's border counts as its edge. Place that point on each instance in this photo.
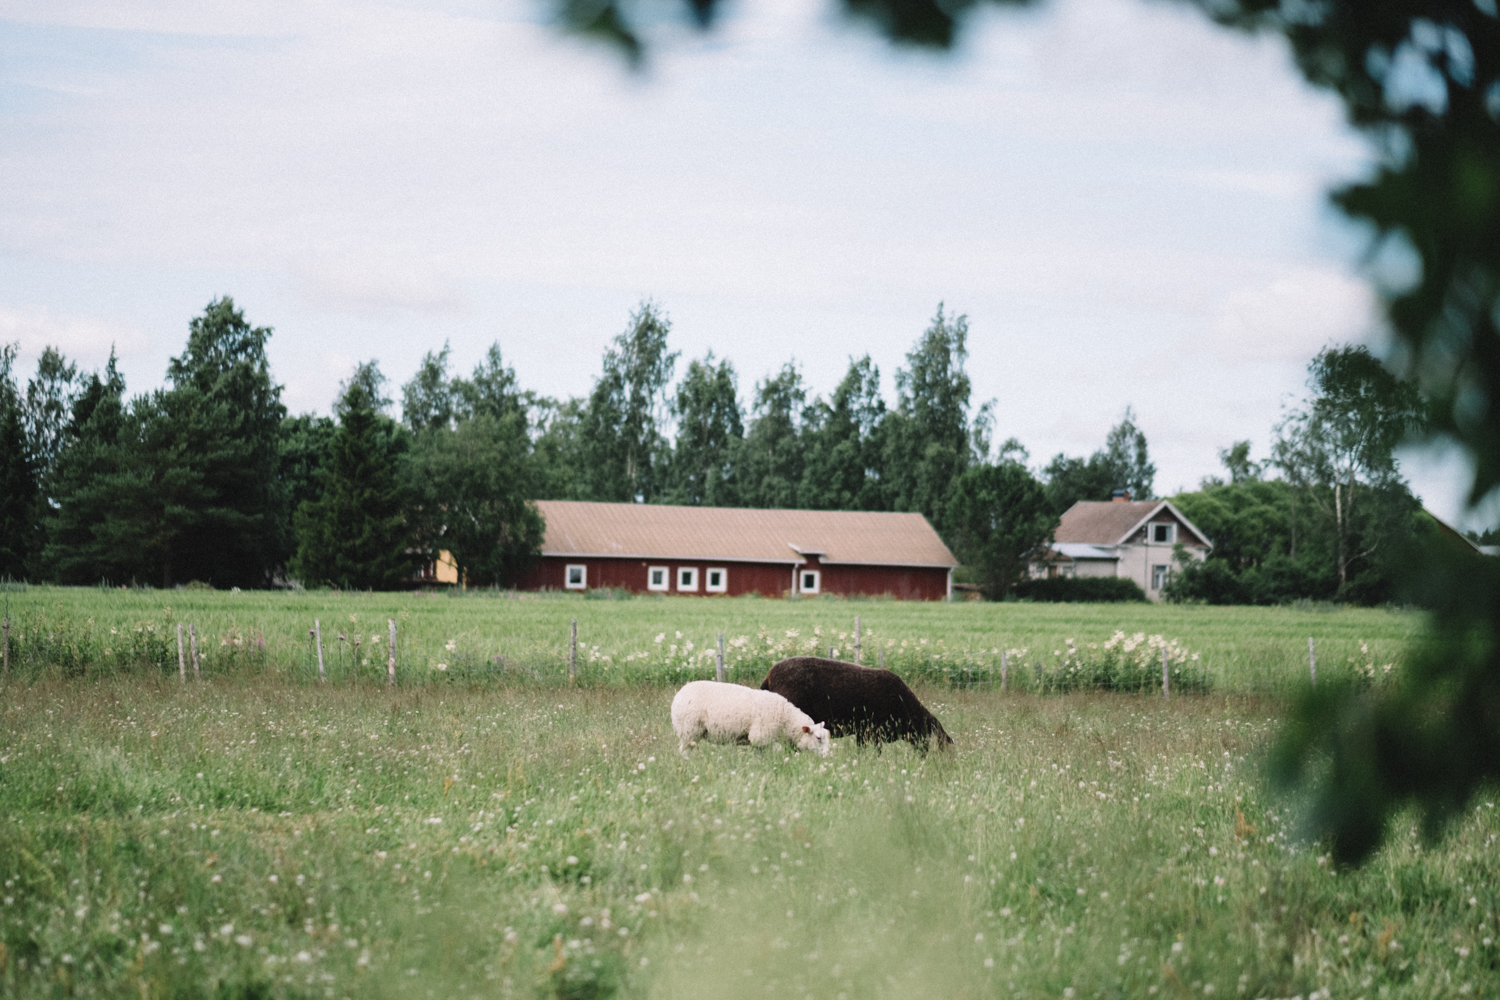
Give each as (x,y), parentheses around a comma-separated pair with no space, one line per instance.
(492,830)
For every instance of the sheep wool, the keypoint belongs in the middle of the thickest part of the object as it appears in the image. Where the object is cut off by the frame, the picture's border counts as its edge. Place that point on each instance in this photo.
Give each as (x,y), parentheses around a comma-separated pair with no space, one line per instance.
(874,705)
(730,713)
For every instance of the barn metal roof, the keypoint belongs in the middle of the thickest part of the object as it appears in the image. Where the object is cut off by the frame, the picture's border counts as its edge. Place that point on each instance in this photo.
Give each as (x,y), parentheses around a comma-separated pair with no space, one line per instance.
(733,534)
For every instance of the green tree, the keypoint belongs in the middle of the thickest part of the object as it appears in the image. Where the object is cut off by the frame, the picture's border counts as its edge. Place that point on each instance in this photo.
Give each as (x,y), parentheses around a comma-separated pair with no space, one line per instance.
(19,495)
(928,439)
(472,489)
(1344,441)
(710,433)
(998,520)
(306,444)
(427,400)
(355,536)
(771,460)
(844,444)
(558,449)
(49,400)
(223,417)
(493,390)
(623,447)
(1124,463)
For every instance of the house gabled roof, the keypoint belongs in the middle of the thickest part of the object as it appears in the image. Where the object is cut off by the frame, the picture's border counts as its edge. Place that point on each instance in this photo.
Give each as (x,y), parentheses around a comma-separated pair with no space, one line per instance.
(1110,522)
(577,529)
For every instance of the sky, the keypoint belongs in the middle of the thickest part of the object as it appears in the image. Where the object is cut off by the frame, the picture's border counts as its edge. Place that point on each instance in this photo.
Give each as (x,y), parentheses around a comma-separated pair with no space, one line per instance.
(1128,203)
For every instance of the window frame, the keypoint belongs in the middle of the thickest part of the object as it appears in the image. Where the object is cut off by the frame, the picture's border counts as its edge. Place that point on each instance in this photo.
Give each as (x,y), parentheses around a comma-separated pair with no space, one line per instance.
(817,578)
(708,580)
(583,577)
(1160,574)
(679,572)
(666,578)
(1171,532)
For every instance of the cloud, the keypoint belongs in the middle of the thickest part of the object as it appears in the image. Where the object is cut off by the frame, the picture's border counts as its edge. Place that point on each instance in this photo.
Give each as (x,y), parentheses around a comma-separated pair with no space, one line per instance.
(1292,317)
(81,338)
(379,290)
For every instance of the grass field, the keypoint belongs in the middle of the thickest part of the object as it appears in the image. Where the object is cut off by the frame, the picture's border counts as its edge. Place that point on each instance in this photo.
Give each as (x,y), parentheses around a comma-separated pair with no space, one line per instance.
(489,637)
(506,834)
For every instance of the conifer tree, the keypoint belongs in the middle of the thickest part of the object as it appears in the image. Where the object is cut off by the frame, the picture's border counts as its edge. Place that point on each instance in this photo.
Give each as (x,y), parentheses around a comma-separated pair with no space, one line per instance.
(355,536)
(18,485)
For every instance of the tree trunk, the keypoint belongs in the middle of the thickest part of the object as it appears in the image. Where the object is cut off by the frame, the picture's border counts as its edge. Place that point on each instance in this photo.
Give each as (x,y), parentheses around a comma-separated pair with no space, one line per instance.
(1338,514)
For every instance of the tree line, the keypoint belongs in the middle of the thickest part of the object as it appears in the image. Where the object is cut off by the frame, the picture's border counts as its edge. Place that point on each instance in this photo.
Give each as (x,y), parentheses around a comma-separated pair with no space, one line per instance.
(210,479)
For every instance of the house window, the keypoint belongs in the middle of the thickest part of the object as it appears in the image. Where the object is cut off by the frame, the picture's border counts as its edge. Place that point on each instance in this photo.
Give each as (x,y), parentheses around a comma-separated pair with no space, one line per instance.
(687,578)
(810,579)
(1164,534)
(715,580)
(656,578)
(576,576)
(1158,577)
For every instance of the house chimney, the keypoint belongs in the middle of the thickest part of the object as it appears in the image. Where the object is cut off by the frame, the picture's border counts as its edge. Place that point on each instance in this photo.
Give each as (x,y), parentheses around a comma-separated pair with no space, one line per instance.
(1120,496)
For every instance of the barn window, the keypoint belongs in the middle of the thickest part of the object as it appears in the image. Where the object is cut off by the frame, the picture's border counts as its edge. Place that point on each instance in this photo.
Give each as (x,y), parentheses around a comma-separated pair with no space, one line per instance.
(657,578)
(811,579)
(1164,534)
(715,580)
(1158,577)
(576,576)
(687,578)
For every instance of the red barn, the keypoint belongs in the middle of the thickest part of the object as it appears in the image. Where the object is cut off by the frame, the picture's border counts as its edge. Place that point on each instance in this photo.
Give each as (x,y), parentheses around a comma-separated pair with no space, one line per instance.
(649,548)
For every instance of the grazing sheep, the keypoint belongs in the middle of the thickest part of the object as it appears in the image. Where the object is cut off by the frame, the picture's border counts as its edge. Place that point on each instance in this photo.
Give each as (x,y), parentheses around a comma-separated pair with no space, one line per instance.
(874,705)
(728,713)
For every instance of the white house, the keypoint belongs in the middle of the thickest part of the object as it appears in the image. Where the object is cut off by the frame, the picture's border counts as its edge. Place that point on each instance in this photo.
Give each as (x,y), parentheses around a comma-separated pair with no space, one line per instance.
(1121,537)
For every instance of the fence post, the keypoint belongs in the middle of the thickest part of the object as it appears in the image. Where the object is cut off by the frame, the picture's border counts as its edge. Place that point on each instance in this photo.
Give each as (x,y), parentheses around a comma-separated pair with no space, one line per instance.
(1004,670)
(181,663)
(573,651)
(390,667)
(858,641)
(1312,661)
(1166,685)
(193,645)
(719,663)
(880,656)
(318,635)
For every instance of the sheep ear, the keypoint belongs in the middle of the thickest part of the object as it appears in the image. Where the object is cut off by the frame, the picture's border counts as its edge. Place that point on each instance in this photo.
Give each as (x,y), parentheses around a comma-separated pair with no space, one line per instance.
(807,729)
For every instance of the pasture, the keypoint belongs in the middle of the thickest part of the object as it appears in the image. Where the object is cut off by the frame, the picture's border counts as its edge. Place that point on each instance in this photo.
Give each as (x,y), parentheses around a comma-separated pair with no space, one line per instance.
(489,830)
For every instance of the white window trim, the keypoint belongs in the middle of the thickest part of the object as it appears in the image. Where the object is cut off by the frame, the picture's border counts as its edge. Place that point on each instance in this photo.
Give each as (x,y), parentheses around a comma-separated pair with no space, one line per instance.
(708,584)
(1165,574)
(1171,533)
(583,576)
(691,588)
(666,577)
(803,574)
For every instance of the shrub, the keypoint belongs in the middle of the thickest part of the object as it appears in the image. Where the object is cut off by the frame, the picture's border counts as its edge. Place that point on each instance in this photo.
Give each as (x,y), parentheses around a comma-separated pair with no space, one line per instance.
(1080,590)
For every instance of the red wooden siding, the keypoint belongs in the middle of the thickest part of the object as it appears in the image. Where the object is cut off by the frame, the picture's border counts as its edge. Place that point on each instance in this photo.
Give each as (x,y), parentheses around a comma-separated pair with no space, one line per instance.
(767,579)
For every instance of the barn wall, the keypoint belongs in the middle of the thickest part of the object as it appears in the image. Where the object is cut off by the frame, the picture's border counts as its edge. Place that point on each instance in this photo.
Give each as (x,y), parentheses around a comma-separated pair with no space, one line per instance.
(766,579)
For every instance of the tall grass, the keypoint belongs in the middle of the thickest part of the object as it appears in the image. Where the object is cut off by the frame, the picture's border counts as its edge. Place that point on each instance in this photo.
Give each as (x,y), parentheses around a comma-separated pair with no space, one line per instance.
(499,638)
(263,837)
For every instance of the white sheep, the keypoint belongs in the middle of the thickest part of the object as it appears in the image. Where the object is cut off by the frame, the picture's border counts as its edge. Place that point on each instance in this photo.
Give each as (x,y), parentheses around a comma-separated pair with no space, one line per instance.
(728,713)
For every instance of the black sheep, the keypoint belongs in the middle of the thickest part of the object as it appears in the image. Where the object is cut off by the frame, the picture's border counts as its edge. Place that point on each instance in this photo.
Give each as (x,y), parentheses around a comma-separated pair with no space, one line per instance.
(874,705)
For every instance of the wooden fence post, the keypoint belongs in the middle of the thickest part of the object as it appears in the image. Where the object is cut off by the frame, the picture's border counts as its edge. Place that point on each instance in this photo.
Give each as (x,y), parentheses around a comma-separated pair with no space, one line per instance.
(193,645)
(880,656)
(318,636)
(573,651)
(390,667)
(181,663)
(858,641)
(719,662)
(1004,670)
(1166,684)
(1312,661)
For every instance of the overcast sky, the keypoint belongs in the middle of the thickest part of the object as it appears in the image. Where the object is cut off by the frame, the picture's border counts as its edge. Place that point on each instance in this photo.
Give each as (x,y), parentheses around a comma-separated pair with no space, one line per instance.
(1128,203)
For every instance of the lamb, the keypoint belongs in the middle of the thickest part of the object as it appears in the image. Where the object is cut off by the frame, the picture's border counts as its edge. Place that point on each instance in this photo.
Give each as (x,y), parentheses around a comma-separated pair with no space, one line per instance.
(728,713)
(874,705)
